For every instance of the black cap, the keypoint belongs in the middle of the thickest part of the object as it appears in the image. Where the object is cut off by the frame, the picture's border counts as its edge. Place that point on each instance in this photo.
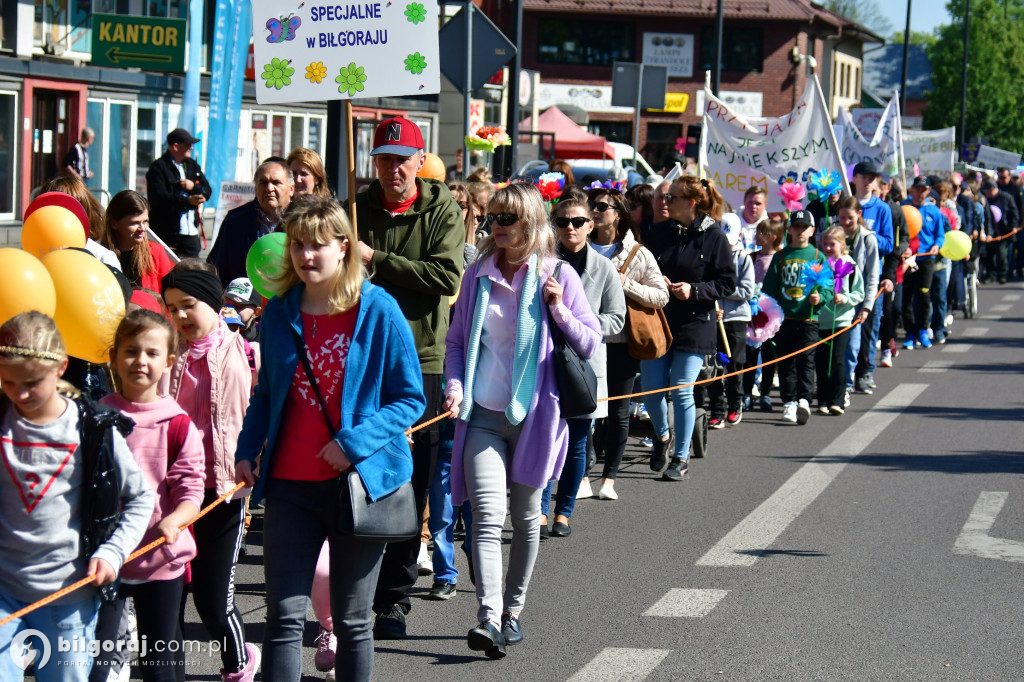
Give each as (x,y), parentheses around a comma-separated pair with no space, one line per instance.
(865,168)
(921,181)
(987,185)
(180,136)
(801,217)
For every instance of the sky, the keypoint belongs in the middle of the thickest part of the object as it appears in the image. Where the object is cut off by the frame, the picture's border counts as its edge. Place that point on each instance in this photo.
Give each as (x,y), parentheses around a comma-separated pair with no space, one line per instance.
(924,14)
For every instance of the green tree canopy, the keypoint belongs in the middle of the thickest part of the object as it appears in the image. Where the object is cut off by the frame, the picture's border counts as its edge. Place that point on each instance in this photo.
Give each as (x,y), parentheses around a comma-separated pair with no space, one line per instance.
(865,12)
(995,98)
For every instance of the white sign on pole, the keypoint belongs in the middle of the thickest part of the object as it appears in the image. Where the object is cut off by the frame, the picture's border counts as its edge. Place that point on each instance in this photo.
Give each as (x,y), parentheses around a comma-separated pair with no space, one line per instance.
(671,50)
(749,104)
(882,150)
(738,152)
(232,195)
(931,150)
(993,157)
(592,98)
(319,51)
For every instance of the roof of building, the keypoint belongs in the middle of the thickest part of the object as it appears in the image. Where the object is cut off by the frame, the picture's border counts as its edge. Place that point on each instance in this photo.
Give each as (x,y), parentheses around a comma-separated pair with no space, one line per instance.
(883,69)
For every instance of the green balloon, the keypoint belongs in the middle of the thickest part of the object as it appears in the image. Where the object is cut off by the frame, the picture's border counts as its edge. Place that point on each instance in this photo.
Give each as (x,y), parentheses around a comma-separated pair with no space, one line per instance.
(265,262)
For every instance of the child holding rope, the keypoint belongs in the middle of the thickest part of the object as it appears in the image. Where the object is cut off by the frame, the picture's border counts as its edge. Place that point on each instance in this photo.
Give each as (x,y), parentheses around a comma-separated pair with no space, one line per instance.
(73,503)
(768,236)
(170,452)
(849,292)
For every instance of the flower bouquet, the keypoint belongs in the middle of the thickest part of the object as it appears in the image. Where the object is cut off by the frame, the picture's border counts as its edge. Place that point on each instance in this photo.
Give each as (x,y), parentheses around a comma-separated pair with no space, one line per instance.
(550,186)
(487,139)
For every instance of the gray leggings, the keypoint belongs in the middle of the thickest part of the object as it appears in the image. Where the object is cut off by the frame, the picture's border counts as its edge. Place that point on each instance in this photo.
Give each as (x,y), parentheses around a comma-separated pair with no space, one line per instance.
(490,442)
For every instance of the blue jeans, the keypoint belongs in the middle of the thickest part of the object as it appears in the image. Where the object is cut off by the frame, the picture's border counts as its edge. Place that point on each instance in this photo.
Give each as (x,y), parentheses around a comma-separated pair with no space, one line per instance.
(442,516)
(675,368)
(940,285)
(572,472)
(299,516)
(853,344)
(59,624)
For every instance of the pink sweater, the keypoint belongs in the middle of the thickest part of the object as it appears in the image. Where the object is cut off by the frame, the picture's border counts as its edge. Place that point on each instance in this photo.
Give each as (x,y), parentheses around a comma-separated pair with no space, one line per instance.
(181,482)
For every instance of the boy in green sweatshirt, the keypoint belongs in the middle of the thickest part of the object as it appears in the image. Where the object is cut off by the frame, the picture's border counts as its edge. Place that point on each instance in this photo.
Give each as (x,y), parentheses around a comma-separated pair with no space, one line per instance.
(800,326)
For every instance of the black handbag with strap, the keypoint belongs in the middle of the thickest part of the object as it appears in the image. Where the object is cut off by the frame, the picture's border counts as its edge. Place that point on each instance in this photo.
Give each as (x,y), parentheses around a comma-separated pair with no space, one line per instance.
(576,380)
(391,518)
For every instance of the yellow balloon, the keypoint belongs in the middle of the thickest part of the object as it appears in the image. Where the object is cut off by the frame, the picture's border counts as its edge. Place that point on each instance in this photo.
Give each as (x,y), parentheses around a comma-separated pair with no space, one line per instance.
(956,245)
(51,228)
(24,285)
(90,304)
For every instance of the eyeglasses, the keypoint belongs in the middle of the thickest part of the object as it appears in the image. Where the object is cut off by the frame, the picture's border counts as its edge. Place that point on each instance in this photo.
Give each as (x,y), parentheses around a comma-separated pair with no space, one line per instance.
(601,206)
(503,219)
(577,222)
(668,198)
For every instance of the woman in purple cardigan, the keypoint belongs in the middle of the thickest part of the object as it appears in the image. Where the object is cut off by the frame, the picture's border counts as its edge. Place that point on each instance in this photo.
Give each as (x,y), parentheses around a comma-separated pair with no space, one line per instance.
(509,436)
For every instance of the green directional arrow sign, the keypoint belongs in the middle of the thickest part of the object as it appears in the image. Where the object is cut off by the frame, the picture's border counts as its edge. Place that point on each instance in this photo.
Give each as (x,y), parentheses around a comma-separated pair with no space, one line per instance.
(149,43)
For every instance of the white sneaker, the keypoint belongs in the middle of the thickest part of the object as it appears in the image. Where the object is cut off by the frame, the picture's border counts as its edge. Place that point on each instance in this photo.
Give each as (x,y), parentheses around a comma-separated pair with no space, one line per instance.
(931,334)
(426,566)
(789,413)
(641,413)
(846,399)
(607,492)
(803,412)
(886,358)
(949,320)
(585,490)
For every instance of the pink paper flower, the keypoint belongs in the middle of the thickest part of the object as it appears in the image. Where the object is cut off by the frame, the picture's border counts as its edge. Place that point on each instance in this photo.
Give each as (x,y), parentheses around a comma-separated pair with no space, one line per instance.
(792,194)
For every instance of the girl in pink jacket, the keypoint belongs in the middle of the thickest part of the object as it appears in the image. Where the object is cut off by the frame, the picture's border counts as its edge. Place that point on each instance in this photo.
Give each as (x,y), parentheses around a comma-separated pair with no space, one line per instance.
(169,450)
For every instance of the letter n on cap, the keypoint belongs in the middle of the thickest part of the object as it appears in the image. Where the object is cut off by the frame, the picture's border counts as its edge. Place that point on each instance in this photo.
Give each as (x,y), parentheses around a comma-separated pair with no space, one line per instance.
(394,133)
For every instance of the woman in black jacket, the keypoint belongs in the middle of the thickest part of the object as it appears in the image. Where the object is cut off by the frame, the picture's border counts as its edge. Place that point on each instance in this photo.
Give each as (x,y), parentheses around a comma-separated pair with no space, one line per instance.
(696,261)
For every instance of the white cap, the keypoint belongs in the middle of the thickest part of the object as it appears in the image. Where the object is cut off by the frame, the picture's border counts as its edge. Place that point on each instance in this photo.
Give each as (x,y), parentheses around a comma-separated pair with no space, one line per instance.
(732,227)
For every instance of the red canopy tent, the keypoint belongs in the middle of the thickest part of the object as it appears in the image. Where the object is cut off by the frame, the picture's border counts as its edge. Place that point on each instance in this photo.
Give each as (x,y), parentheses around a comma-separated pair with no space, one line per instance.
(571,141)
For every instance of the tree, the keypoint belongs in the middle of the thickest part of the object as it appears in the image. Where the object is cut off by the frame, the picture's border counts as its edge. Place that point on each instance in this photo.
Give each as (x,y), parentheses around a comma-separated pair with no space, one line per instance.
(864,12)
(995,71)
(916,38)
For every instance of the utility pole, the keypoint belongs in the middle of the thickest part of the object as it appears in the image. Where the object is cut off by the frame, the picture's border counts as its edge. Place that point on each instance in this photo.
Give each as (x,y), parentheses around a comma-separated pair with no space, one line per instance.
(963,75)
(717,68)
(906,57)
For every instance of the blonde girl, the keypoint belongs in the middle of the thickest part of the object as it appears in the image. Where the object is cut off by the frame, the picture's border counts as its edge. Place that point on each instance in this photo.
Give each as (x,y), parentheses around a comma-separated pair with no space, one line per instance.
(830,358)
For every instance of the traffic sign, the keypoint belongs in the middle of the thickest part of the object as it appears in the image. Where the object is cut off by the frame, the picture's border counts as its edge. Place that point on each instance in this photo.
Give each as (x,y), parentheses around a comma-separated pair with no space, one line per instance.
(491,49)
(150,43)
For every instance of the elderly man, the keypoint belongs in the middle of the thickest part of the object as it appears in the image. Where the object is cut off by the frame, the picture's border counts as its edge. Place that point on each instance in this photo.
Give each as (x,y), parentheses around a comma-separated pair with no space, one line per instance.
(177,190)
(76,161)
(242,226)
(411,240)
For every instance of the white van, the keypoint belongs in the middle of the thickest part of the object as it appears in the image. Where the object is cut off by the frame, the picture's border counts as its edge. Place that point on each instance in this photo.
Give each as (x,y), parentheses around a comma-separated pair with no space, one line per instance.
(623,159)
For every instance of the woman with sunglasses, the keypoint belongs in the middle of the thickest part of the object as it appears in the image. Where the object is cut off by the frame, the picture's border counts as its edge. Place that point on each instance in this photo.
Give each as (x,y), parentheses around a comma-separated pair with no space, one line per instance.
(614,237)
(509,438)
(470,216)
(573,224)
(696,261)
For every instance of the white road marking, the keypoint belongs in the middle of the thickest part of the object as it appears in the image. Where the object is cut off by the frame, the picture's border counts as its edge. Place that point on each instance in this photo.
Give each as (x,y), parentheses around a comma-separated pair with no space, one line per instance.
(974,538)
(974,332)
(680,603)
(991,317)
(957,348)
(627,665)
(753,535)
(936,366)
(1011,297)
(1001,307)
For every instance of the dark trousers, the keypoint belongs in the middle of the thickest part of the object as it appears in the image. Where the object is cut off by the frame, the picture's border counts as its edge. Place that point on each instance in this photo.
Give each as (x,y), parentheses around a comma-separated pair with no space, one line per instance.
(830,361)
(398,572)
(724,395)
(796,374)
(218,537)
(163,662)
(613,431)
(890,315)
(187,247)
(917,303)
(997,258)
(756,355)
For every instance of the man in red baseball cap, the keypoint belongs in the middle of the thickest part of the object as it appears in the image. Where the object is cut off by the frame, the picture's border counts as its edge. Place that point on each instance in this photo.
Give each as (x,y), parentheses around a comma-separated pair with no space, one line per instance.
(411,240)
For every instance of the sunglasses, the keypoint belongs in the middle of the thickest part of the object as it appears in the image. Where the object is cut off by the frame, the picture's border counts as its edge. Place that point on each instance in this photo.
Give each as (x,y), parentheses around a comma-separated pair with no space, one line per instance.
(503,219)
(577,222)
(480,219)
(464,206)
(601,206)
(668,198)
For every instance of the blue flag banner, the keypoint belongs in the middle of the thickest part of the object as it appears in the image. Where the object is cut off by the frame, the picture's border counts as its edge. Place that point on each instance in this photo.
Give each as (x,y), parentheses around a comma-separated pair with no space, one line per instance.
(232,28)
(190,98)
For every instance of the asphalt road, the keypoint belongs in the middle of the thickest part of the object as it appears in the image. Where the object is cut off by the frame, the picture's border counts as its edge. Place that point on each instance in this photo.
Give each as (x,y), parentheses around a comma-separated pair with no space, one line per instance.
(833,551)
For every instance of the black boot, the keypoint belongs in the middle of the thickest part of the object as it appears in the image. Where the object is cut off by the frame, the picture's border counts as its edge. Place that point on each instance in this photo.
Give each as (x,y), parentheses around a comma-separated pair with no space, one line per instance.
(676,470)
(659,453)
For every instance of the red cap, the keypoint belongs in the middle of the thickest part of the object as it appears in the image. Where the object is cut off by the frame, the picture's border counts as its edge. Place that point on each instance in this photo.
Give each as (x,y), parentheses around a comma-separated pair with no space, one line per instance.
(398,136)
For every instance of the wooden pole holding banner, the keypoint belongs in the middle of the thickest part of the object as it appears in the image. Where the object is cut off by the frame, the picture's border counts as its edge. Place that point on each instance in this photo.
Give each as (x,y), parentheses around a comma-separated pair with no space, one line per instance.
(831,132)
(350,166)
(899,130)
(721,330)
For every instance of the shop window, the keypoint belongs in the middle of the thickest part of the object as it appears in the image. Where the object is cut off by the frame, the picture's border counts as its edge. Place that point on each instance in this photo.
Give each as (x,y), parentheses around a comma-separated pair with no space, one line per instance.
(613,131)
(589,43)
(661,142)
(742,51)
(8,151)
(297,134)
(146,148)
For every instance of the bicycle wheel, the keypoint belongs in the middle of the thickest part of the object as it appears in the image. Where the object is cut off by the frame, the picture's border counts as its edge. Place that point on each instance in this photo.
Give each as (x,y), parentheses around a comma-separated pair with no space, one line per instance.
(971,307)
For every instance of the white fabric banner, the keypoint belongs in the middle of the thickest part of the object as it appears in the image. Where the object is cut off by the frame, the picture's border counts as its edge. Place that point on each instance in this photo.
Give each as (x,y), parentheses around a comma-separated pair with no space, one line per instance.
(931,150)
(883,148)
(738,152)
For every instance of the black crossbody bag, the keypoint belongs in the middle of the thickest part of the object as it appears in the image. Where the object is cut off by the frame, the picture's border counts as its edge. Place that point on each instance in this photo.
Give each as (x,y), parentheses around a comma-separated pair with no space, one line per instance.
(391,518)
(576,380)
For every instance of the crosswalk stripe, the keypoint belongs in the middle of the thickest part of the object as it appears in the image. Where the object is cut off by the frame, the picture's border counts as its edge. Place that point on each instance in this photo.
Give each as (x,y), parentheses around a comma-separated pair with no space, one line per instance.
(1011,297)
(1001,307)
(974,332)
(936,366)
(621,665)
(957,348)
(686,603)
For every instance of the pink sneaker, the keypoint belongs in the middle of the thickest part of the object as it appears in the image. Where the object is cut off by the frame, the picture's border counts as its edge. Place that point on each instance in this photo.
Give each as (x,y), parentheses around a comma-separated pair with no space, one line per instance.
(326,645)
(248,673)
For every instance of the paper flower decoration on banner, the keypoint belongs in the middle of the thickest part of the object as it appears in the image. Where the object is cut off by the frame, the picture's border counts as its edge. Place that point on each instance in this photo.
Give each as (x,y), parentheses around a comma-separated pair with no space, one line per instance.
(487,139)
(815,276)
(764,323)
(617,185)
(792,194)
(680,144)
(840,269)
(550,185)
(824,183)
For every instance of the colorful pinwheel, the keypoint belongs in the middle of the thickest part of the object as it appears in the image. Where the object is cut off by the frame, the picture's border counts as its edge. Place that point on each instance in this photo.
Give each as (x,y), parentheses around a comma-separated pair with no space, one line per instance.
(840,269)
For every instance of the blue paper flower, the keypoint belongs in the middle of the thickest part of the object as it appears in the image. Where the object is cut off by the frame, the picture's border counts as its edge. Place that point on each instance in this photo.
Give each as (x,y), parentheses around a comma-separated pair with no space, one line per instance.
(815,276)
(825,183)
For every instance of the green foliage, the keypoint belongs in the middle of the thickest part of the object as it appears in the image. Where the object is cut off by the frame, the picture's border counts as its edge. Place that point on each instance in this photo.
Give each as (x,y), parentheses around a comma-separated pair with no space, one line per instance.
(916,38)
(864,12)
(995,72)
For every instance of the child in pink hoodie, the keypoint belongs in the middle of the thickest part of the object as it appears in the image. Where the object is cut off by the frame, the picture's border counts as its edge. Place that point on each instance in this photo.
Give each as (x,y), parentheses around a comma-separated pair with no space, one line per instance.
(169,450)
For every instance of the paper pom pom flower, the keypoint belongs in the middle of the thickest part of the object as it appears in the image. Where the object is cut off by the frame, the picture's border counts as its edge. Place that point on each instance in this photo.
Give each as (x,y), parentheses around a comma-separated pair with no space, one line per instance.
(487,139)
(792,194)
(766,321)
(840,269)
(550,185)
(815,276)
(824,183)
(617,185)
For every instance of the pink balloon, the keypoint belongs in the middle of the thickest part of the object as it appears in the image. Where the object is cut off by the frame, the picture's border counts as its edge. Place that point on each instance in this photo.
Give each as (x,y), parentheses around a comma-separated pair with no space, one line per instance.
(997,213)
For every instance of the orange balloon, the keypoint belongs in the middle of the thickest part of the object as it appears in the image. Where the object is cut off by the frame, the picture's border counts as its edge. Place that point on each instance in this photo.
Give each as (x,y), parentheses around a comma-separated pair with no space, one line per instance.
(24,285)
(51,228)
(433,168)
(913,217)
(90,304)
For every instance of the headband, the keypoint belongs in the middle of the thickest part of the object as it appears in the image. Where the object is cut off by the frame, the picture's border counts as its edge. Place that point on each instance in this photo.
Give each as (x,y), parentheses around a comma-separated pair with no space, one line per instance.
(32,353)
(200,284)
